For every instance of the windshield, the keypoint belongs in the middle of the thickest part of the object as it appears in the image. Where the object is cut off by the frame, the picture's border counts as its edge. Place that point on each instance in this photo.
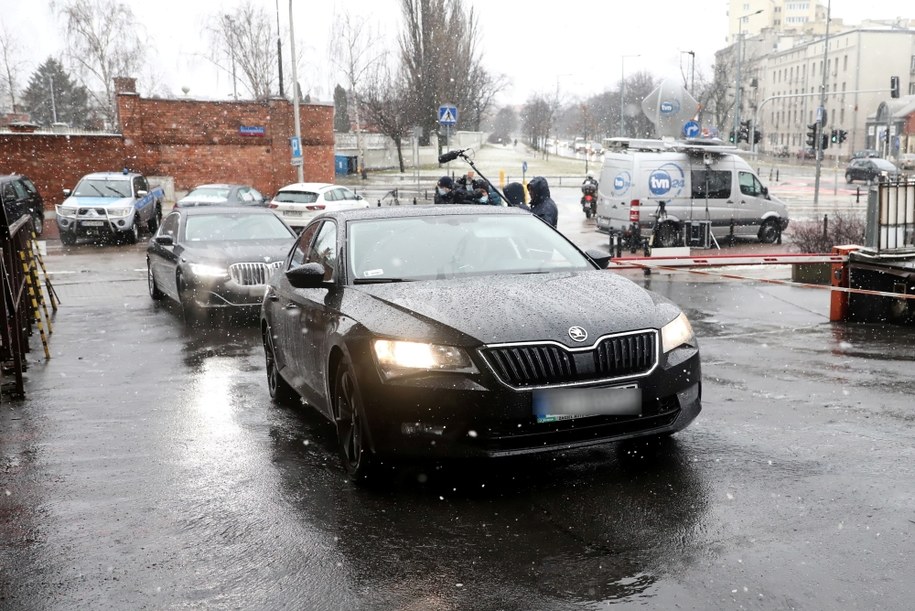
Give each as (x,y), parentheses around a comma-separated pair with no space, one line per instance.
(100,187)
(209,194)
(241,227)
(883,164)
(421,248)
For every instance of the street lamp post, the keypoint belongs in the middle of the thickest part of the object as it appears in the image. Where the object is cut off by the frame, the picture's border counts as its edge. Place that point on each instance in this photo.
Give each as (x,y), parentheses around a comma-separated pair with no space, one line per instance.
(692,67)
(300,171)
(623,87)
(737,85)
(230,27)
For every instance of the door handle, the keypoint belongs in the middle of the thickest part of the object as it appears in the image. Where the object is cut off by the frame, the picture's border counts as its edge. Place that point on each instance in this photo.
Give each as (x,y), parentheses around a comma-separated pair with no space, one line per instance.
(291,305)
(272,297)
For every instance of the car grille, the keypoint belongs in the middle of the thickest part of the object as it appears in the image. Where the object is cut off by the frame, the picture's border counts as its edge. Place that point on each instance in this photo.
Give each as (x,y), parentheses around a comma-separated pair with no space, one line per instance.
(547,364)
(251,274)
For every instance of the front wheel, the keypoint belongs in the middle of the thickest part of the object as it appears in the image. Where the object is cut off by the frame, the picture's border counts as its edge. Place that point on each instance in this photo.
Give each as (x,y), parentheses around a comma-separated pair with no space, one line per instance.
(587,213)
(769,231)
(280,390)
(154,291)
(153,223)
(848,178)
(352,437)
(67,238)
(37,224)
(132,235)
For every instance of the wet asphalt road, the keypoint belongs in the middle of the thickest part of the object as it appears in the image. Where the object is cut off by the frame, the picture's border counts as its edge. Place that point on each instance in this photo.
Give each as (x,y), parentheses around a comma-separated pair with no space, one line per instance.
(147,468)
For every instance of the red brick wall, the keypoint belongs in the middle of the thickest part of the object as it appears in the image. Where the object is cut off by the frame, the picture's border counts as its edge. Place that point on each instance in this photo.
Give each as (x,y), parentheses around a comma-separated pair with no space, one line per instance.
(192,141)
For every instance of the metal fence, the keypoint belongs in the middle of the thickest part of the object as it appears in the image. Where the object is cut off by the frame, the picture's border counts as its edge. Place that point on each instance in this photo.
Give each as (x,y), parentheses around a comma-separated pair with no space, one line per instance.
(891,217)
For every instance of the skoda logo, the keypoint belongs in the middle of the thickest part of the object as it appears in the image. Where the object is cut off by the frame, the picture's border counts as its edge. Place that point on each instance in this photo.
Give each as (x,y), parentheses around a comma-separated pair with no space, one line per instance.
(578,334)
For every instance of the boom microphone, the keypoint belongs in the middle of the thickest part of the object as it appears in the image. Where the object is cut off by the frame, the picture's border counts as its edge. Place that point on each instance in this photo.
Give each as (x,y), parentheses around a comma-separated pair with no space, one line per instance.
(450,156)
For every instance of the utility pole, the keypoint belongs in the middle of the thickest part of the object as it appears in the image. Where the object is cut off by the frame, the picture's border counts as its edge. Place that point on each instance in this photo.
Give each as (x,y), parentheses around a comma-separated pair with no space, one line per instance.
(819,131)
(737,85)
(300,172)
(53,104)
(279,49)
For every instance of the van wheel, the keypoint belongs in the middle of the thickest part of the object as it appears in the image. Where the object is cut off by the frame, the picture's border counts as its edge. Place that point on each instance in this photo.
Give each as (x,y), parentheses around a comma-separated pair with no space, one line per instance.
(769,232)
(666,236)
(848,178)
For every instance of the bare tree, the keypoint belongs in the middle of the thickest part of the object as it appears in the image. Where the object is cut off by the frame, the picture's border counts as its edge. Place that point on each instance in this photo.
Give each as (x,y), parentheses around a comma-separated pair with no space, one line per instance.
(244,45)
(384,100)
(10,64)
(103,42)
(355,56)
(717,96)
(440,58)
(537,118)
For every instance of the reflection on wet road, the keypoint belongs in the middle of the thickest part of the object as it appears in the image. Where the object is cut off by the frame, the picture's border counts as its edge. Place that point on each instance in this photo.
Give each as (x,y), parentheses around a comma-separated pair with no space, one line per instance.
(148,468)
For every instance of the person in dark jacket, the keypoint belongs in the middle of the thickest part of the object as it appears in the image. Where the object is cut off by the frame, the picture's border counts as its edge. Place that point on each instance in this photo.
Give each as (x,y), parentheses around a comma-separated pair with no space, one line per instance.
(444,191)
(542,204)
(514,193)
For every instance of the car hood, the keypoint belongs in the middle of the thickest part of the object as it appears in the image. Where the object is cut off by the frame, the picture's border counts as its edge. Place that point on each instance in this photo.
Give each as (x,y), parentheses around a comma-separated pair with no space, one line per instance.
(227,253)
(98,202)
(510,308)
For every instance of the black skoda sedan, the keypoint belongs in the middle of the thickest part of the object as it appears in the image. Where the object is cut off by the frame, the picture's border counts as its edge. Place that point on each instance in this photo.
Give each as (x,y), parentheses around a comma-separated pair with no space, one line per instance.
(210,258)
(471,331)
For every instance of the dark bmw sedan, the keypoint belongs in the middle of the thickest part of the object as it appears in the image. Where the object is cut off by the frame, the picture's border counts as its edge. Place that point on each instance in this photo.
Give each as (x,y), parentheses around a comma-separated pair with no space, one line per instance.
(216,258)
(470,331)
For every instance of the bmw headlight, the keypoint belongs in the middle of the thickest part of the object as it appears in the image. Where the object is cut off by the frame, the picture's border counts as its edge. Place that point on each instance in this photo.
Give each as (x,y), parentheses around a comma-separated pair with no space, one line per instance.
(676,333)
(398,358)
(66,210)
(120,211)
(204,270)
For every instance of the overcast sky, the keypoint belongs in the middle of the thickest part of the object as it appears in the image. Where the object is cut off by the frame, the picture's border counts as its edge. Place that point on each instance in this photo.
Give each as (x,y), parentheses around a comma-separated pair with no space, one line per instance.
(575,46)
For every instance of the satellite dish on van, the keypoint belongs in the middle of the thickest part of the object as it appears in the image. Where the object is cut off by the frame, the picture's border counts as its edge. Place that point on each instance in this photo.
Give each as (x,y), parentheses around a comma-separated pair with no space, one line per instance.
(669,106)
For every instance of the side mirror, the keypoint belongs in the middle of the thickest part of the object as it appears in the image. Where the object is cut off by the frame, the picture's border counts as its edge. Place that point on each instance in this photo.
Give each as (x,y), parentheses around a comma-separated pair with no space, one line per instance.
(600,257)
(308,276)
(165,239)
(142,193)
(68,192)
(765,191)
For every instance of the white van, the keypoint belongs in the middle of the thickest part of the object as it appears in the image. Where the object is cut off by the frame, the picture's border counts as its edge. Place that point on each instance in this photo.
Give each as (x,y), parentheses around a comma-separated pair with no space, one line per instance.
(669,183)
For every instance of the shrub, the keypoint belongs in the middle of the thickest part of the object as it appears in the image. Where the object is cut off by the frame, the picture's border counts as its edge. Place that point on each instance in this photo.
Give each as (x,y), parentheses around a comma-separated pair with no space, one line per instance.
(840,228)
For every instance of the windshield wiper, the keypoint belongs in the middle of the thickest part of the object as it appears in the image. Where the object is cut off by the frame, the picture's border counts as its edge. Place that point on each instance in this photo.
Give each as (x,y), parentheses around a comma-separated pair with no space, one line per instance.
(113,190)
(379,280)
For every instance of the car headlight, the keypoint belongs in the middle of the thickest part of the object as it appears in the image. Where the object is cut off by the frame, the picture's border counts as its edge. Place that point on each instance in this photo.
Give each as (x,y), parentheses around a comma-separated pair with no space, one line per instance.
(398,358)
(204,270)
(676,333)
(66,210)
(120,211)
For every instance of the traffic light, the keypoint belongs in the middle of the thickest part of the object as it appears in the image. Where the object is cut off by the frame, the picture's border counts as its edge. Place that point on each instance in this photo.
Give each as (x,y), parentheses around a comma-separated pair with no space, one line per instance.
(731,137)
(824,142)
(842,135)
(744,134)
(834,136)
(812,134)
(894,86)
(757,136)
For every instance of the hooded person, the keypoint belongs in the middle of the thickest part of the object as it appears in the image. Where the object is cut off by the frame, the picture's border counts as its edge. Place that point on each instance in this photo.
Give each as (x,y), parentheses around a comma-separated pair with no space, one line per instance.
(514,193)
(542,204)
(444,191)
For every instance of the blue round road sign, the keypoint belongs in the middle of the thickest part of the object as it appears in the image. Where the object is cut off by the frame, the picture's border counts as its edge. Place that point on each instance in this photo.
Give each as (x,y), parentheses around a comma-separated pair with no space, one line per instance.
(691,129)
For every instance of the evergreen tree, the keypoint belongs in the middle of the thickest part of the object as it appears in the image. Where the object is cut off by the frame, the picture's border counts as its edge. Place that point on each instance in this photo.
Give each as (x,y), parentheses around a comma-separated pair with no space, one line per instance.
(341,110)
(52,96)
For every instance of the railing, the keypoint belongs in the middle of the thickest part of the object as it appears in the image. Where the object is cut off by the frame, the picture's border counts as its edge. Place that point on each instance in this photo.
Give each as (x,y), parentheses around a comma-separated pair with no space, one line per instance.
(891,217)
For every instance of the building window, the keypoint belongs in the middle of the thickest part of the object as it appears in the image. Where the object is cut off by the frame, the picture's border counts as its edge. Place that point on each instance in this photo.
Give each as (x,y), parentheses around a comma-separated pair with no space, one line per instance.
(845,64)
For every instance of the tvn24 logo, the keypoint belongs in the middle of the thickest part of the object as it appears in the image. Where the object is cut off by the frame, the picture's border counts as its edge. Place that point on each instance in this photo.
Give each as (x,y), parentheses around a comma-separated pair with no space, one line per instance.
(667,181)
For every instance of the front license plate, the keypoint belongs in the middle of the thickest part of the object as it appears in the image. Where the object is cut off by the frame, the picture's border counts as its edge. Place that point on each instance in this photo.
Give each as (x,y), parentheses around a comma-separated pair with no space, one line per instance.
(93,223)
(555,404)
(292,213)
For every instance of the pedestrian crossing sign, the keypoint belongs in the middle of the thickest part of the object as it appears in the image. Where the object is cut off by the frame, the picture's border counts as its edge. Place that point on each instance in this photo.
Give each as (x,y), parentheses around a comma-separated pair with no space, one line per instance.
(447,114)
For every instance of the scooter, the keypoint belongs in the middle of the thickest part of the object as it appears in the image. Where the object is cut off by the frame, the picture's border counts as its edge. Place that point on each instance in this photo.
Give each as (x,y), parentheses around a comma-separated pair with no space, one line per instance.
(589,200)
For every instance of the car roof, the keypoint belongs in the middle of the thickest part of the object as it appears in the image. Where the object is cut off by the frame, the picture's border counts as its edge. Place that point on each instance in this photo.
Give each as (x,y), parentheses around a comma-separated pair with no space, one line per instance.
(110,175)
(208,210)
(354,214)
(308,186)
(218,185)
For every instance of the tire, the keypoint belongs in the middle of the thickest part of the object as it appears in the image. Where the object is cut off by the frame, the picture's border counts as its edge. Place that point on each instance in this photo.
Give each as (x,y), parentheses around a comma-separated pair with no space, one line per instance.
(37,224)
(666,236)
(769,231)
(132,235)
(280,391)
(192,312)
(352,438)
(153,223)
(154,291)
(848,178)
(67,238)
(588,213)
